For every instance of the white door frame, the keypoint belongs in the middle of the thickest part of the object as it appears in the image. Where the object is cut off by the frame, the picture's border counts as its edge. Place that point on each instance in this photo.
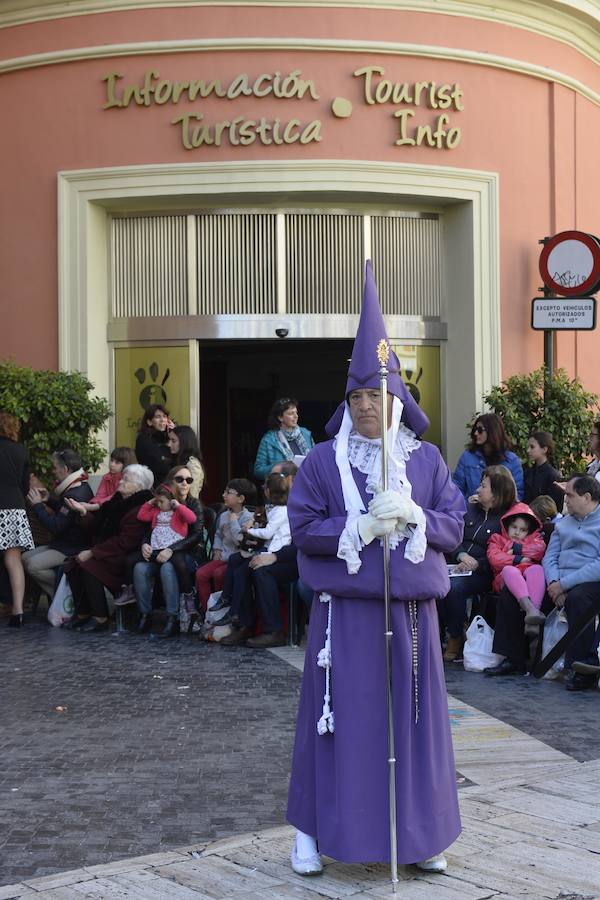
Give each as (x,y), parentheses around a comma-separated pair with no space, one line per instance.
(467,199)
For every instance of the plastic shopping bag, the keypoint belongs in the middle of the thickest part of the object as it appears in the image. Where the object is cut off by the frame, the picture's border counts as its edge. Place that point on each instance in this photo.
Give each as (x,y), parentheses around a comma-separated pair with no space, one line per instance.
(555,627)
(477,653)
(62,607)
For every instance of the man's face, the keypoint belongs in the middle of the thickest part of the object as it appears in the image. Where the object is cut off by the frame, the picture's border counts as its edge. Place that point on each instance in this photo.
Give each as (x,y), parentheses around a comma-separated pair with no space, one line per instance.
(59,470)
(576,504)
(365,410)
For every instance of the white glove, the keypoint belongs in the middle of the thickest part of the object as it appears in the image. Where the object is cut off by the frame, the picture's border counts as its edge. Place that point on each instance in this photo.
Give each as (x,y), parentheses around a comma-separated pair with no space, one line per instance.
(391,504)
(370,528)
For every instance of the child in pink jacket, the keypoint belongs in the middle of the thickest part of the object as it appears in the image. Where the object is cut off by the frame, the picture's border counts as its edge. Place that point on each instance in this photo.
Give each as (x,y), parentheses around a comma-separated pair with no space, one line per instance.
(514,555)
(168,518)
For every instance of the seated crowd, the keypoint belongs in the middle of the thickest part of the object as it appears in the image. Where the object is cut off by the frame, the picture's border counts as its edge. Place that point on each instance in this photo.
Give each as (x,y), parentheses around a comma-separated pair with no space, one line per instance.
(146,539)
(520,560)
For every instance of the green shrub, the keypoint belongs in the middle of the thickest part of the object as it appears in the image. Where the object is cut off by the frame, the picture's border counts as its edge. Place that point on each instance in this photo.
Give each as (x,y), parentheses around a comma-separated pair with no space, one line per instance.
(56,412)
(565,409)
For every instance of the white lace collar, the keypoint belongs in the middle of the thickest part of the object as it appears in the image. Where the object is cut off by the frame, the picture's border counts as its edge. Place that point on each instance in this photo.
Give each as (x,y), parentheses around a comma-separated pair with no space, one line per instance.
(364,454)
(353,450)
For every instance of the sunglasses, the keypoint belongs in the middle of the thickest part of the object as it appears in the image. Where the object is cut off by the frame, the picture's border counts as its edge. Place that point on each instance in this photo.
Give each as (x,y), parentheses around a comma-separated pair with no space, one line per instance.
(180,479)
(479,430)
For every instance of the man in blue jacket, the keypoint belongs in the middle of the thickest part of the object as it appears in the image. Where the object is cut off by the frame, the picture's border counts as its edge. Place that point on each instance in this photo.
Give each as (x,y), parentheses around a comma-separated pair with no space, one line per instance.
(572,568)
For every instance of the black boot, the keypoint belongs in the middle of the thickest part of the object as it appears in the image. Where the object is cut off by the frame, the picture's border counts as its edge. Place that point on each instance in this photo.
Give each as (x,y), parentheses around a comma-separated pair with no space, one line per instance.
(506,667)
(171,628)
(144,624)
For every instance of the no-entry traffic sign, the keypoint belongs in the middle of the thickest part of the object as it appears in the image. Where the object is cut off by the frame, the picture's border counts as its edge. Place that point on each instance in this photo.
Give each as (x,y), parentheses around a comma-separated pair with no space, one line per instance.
(570,264)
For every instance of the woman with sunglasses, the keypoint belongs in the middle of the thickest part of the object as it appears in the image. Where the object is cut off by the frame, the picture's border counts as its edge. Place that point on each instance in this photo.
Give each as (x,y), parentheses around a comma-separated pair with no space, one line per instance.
(285,439)
(489,446)
(176,565)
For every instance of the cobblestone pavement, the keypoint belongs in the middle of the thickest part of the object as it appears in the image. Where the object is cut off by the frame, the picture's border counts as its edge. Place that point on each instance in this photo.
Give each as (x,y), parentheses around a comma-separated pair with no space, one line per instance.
(157,744)
(163,745)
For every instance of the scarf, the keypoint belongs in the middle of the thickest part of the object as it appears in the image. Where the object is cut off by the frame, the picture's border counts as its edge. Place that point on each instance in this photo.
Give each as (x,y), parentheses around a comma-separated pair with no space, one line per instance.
(72,480)
(292,434)
(110,515)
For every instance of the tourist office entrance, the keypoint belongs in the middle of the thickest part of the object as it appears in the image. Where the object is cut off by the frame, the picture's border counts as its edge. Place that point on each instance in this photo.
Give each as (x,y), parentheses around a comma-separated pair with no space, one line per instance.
(276,295)
(237,384)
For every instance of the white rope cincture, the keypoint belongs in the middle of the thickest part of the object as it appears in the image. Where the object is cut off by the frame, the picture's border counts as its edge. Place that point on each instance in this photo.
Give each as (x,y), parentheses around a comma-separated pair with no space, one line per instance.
(325,723)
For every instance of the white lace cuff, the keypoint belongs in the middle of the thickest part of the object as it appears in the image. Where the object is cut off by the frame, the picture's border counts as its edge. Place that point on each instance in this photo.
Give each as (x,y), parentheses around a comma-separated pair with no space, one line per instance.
(350,544)
(416,544)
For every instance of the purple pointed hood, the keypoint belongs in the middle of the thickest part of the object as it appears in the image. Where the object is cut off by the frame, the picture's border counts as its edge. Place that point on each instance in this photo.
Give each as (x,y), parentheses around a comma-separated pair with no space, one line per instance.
(364,366)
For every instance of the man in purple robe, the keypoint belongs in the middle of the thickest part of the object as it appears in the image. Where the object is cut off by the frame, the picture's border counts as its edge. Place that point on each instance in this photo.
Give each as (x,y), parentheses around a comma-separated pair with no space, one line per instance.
(339,795)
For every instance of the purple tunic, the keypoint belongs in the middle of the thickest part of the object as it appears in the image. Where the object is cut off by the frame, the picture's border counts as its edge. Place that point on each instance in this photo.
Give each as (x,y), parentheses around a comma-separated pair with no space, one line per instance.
(339,783)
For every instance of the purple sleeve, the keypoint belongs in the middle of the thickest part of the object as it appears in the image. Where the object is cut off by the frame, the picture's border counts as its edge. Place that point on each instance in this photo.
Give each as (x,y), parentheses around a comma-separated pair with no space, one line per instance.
(314,531)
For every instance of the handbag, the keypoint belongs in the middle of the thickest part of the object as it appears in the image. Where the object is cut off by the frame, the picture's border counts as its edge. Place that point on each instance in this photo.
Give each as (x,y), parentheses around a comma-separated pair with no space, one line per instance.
(477,652)
(62,607)
(555,627)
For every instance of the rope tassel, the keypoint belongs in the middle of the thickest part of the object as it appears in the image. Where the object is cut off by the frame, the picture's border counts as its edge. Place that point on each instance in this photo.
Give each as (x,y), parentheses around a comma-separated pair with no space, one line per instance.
(325,723)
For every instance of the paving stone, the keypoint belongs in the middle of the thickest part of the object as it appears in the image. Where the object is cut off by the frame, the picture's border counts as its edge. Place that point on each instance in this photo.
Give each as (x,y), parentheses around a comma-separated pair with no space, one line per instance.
(545,806)
(534,867)
(586,837)
(12,890)
(216,877)
(443,888)
(59,880)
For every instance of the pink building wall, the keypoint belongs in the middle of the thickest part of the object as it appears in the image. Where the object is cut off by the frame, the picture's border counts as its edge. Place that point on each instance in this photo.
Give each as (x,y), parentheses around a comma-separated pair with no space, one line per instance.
(540,137)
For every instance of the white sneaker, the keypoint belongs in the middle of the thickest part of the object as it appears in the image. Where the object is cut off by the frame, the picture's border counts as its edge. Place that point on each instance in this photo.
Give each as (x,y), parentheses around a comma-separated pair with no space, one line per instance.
(436,863)
(311,865)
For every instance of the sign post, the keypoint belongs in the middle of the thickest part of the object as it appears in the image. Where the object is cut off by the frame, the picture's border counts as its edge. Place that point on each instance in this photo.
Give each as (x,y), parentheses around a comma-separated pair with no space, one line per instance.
(548,333)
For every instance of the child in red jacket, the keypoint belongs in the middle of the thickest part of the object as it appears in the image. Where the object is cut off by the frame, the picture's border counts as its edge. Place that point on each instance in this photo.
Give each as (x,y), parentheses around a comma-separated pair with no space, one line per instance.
(513,556)
(169,519)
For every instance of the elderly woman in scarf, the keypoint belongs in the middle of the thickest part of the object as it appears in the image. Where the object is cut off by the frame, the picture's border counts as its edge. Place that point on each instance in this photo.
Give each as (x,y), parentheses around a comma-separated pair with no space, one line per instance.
(285,439)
